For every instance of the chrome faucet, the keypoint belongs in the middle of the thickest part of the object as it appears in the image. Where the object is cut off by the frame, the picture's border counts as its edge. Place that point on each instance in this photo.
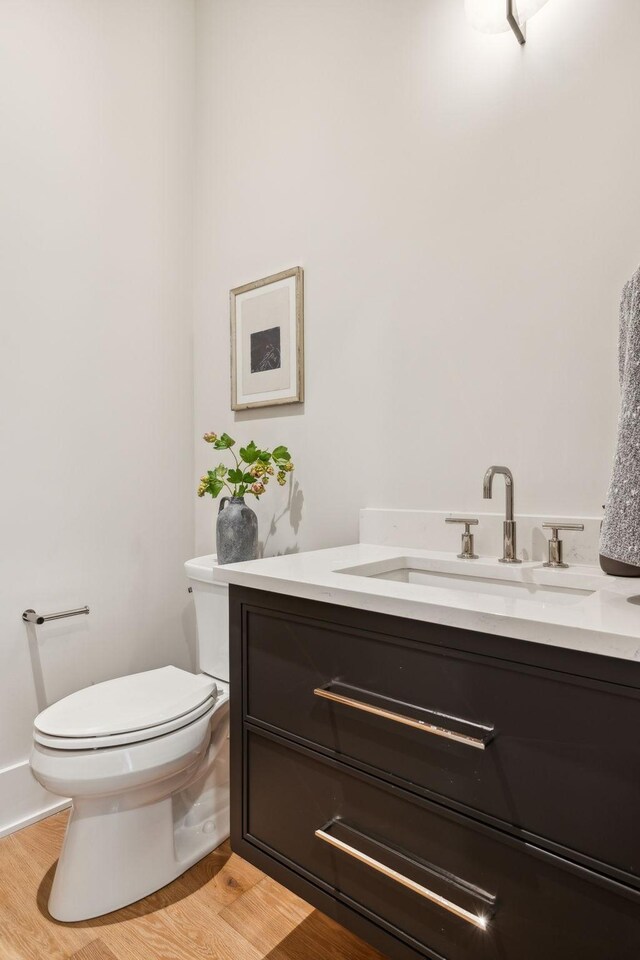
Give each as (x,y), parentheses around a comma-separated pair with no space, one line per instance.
(509,526)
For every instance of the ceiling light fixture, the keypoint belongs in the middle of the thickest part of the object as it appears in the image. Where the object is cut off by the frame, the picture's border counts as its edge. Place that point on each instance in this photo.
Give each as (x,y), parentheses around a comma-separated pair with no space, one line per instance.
(498,16)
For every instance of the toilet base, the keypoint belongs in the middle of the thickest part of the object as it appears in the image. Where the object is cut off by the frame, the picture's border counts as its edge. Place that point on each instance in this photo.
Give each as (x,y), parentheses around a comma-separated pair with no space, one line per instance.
(119,849)
(131,857)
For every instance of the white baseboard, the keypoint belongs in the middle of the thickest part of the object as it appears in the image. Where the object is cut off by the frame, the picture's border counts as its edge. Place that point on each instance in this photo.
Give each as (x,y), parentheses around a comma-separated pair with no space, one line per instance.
(23,800)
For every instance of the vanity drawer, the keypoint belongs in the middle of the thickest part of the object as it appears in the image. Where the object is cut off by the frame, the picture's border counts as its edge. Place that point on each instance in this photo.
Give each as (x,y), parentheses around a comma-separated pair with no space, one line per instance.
(550,754)
(428,876)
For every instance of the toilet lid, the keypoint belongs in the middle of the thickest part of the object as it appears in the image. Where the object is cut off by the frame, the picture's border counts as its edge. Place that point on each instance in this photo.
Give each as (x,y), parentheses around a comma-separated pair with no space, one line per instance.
(126,704)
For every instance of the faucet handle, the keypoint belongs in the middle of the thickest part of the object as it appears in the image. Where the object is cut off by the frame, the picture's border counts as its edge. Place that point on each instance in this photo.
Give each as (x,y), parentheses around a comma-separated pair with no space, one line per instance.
(555,545)
(467,537)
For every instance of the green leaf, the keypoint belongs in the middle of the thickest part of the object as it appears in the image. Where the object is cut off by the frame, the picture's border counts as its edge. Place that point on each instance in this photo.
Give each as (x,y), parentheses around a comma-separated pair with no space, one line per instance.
(240,492)
(235,476)
(249,454)
(247,478)
(224,442)
(264,456)
(215,487)
(281,455)
(221,471)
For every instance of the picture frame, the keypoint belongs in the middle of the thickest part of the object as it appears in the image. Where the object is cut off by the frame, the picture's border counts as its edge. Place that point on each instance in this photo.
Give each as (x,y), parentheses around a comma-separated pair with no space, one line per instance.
(267,341)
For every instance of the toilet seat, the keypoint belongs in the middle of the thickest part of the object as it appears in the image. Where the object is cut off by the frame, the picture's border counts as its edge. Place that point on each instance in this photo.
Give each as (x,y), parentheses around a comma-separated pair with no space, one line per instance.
(122,739)
(126,710)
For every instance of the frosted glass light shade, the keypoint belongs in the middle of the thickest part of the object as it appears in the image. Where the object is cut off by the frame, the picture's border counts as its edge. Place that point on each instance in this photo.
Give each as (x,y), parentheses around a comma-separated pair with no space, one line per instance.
(490,16)
(487,16)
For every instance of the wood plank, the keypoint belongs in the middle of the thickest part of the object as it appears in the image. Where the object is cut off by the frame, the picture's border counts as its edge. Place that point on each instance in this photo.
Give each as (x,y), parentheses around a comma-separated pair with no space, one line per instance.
(229,877)
(287,928)
(266,914)
(96,950)
(182,932)
(221,909)
(24,932)
(320,938)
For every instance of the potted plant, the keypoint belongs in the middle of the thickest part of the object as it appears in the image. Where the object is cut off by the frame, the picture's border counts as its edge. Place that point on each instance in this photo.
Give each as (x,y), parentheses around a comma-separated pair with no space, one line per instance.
(237,524)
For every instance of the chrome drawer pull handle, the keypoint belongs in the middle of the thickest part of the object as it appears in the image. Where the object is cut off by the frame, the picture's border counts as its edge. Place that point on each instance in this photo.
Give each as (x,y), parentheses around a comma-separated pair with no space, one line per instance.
(479,743)
(474,918)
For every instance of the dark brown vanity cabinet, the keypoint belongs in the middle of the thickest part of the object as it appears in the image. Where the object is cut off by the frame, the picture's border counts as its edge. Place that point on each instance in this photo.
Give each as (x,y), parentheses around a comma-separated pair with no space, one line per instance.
(442,793)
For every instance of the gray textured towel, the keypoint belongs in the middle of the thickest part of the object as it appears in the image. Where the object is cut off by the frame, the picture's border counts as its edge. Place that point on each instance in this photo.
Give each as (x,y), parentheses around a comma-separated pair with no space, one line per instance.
(620,539)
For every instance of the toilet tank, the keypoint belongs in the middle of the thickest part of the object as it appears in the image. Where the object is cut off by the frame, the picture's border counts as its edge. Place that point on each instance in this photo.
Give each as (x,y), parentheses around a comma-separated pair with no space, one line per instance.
(212,617)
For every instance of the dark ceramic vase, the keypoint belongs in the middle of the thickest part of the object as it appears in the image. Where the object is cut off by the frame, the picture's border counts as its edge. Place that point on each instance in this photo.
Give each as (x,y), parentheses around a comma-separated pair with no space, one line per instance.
(616,568)
(236,531)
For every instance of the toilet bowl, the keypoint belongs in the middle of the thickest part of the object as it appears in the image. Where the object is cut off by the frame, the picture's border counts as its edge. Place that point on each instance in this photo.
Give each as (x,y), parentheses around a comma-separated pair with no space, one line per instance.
(145,759)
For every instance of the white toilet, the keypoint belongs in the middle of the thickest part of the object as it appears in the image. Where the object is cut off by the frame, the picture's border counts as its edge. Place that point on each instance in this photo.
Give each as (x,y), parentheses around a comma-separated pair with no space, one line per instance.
(145,759)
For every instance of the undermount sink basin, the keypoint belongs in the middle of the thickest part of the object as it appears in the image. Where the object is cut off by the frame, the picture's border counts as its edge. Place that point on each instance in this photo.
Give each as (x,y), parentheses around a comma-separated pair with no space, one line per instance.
(416,570)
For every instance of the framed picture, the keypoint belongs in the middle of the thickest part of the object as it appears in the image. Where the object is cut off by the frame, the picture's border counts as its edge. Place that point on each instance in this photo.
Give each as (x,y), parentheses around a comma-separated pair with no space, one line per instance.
(267,349)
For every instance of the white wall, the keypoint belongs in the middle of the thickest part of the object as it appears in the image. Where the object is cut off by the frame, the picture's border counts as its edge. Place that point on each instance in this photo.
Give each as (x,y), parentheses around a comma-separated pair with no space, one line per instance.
(96,504)
(466,212)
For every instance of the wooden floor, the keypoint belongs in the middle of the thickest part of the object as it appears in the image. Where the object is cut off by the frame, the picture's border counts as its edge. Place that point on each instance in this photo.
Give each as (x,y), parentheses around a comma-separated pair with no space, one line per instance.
(222,908)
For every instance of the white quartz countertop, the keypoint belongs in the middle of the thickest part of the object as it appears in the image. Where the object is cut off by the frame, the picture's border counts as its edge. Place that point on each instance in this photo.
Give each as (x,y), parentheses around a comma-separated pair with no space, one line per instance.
(603,620)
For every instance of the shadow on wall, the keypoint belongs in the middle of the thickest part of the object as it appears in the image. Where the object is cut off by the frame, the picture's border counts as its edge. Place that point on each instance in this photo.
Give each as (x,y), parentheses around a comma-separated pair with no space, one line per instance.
(36,666)
(189,632)
(293,512)
(269,413)
(57,633)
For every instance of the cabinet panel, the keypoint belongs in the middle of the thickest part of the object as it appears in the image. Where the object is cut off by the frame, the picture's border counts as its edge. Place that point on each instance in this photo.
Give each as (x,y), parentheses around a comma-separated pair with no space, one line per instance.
(540,750)
(437,878)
